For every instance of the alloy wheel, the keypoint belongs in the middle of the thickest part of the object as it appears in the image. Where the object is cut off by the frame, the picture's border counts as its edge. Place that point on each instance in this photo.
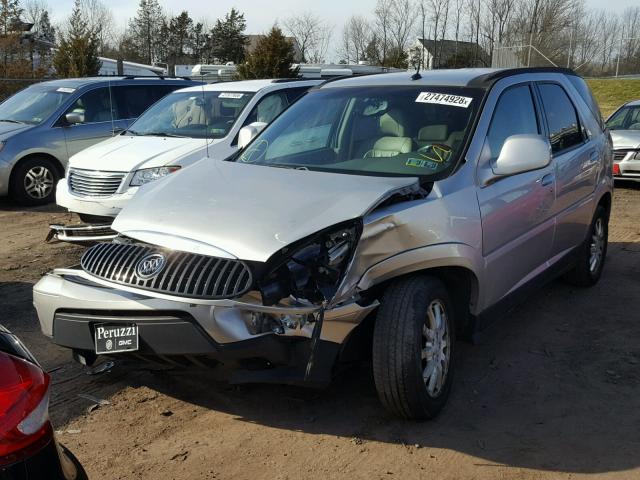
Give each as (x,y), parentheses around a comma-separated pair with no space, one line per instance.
(38,182)
(597,246)
(436,351)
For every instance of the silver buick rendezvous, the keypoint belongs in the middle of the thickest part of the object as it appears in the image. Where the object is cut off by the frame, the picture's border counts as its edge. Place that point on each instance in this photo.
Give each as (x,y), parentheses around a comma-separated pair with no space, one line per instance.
(380,216)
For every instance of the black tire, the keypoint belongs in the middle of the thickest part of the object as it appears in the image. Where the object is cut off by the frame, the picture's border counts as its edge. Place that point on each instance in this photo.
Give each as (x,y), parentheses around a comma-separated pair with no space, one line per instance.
(583,275)
(398,341)
(33,181)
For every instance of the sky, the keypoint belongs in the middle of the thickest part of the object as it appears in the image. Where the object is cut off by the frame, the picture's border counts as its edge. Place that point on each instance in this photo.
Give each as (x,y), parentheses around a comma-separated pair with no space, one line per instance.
(261,15)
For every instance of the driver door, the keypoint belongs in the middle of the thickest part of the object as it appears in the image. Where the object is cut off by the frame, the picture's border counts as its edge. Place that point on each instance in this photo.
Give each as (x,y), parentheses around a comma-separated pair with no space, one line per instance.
(98,123)
(516,211)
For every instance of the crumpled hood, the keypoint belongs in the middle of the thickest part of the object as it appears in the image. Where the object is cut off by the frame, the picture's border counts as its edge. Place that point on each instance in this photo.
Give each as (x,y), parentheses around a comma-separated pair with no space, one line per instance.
(124,153)
(8,129)
(625,139)
(248,211)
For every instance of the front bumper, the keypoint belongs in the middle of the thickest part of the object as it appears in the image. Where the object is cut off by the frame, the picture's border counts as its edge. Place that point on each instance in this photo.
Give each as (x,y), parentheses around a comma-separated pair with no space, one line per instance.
(69,305)
(81,233)
(97,206)
(629,167)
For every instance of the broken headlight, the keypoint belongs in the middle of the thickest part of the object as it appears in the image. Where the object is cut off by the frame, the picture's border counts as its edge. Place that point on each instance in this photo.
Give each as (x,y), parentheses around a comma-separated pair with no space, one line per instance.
(313,268)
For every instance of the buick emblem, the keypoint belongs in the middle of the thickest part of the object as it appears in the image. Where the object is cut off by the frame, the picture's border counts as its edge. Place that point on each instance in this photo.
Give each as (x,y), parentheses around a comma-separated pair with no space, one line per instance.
(150,266)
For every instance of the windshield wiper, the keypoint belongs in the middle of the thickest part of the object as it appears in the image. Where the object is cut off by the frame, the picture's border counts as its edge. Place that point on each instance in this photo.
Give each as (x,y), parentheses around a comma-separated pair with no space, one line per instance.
(160,134)
(8,120)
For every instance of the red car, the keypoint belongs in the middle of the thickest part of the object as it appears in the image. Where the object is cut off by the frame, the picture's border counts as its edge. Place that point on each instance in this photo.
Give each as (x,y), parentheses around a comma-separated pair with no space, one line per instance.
(28,448)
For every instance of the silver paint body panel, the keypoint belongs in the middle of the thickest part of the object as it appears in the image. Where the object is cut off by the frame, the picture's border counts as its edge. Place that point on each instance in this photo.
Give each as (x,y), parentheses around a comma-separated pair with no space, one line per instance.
(504,232)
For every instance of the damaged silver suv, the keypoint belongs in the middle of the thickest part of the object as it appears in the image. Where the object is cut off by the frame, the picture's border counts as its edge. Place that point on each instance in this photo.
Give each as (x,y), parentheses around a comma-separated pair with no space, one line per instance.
(383,215)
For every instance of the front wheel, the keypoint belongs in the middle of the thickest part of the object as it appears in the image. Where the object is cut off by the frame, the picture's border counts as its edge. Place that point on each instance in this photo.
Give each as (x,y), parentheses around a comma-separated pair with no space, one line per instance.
(413,345)
(33,182)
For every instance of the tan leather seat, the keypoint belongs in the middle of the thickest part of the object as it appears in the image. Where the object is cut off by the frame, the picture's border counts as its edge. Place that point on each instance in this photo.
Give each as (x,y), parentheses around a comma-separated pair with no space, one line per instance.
(188,113)
(392,124)
(432,134)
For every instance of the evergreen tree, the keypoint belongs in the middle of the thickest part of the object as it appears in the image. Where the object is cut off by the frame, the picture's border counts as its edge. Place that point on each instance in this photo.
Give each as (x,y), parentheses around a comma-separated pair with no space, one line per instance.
(180,32)
(227,40)
(145,30)
(45,30)
(77,54)
(272,58)
(198,42)
(9,38)
(10,12)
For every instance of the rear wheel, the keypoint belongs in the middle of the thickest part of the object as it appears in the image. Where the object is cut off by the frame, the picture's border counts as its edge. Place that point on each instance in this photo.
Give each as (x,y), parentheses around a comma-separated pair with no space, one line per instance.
(413,347)
(592,253)
(33,181)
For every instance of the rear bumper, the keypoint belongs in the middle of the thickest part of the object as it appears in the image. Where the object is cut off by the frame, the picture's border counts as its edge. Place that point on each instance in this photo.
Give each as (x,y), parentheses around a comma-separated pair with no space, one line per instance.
(98,206)
(49,463)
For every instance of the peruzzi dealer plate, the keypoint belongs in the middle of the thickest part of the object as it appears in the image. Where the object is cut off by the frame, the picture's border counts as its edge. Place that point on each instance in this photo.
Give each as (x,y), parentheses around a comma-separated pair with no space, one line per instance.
(115,338)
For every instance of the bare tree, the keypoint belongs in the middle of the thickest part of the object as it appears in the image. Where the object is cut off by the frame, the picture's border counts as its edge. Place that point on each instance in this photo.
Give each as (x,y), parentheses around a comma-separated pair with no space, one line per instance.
(402,21)
(382,22)
(99,19)
(311,34)
(356,37)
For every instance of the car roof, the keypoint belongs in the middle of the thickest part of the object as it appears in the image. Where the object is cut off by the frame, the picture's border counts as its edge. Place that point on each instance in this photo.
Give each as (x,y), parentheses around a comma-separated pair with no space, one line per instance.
(632,103)
(82,82)
(460,77)
(252,85)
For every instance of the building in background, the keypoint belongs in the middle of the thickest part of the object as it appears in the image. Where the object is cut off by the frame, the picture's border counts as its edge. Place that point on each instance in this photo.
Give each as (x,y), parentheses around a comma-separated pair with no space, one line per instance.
(447,54)
(110,67)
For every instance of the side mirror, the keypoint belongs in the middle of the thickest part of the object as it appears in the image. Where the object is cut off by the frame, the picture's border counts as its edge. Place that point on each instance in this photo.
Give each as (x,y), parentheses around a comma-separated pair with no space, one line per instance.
(249,132)
(522,153)
(74,118)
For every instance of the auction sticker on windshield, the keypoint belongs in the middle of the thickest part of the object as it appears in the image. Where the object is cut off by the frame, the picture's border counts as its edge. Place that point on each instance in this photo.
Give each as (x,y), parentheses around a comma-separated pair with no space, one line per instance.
(231,95)
(444,99)
(115,338)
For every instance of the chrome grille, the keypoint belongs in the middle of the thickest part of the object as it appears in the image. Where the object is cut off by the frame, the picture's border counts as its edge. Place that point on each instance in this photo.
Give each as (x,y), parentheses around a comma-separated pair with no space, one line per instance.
(184,274)
(619,155)
(93,183)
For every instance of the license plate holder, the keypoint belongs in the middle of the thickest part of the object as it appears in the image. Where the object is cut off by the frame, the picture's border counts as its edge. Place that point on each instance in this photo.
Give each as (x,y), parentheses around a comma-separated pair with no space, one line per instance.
(115,338)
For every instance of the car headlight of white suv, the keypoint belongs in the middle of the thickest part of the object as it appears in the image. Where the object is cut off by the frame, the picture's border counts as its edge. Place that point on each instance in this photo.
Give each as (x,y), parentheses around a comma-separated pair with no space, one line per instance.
(140,177)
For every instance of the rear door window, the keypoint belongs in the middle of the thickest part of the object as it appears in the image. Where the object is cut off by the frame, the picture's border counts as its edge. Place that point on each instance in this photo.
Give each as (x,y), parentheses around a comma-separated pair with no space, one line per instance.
(562,119)
(132,100)
(514,114)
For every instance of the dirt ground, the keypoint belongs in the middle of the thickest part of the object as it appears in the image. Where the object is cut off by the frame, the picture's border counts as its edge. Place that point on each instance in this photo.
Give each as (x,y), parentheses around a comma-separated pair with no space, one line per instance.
(553,392)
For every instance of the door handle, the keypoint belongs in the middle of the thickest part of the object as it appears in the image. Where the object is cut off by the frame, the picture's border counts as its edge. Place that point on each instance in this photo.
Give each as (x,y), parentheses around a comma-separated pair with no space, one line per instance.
(593,156)
(547,180)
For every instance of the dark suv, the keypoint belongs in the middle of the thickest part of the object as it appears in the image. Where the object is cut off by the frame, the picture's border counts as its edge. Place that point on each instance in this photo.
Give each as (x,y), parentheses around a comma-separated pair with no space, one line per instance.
(46,123)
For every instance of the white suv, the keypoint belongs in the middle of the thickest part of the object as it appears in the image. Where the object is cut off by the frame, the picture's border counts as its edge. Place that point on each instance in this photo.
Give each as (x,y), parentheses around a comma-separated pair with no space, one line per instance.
(183,127)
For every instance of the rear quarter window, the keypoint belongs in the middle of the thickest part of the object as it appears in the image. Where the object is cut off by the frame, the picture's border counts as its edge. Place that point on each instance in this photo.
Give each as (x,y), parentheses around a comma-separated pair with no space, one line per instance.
(586,94)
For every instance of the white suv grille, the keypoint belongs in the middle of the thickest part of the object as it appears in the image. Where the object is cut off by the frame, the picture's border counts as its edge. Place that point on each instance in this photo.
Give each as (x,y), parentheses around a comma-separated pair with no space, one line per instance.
(93,183)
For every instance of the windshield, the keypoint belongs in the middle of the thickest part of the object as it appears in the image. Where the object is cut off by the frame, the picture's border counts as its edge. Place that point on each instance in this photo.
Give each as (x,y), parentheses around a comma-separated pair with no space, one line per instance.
(385,131)
(192,114)
(34,104)
(627,118)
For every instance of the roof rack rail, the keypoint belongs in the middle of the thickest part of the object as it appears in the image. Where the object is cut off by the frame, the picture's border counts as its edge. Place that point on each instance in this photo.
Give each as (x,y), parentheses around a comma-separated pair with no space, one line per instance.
(344,77)
(161,77)
(489,79)
(292,79)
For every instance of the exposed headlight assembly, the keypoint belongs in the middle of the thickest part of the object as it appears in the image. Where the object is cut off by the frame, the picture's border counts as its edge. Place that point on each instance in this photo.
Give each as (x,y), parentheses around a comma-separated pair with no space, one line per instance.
(313,268)
(140,177)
